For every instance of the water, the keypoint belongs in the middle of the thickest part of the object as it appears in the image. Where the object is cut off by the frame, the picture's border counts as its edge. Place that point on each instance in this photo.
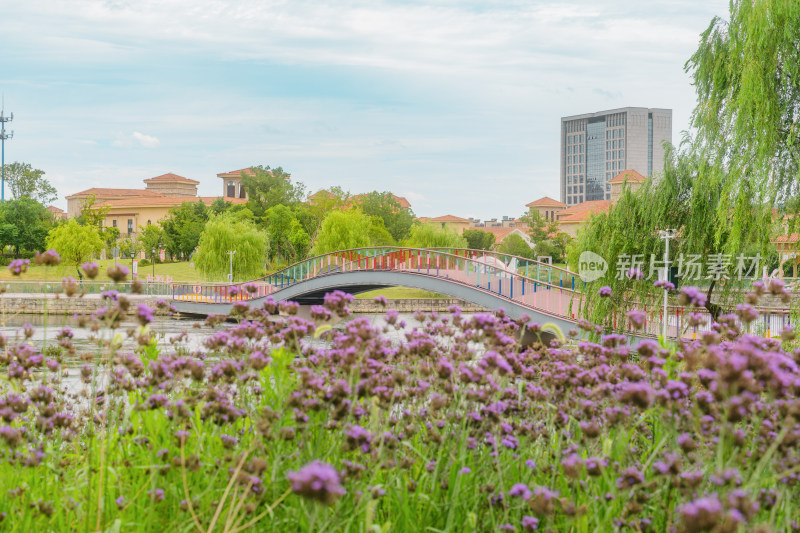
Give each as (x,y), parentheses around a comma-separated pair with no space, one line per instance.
(165,329)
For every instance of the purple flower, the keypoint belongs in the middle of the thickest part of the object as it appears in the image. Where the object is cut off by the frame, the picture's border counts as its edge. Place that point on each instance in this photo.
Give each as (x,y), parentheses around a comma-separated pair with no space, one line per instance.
(91,270)
(520,490)
(157,495)
(465,470)
(117,273)
(634,273)
(530,523)
(637,318)
(701,514)
(317,481)
(18,266)
(120,502)
(144,314)
(48,258)
(604,292)
(692,296)
(664,284)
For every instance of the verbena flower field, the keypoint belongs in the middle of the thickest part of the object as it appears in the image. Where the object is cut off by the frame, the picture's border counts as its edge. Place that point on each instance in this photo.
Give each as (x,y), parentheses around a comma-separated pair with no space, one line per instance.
(456,428)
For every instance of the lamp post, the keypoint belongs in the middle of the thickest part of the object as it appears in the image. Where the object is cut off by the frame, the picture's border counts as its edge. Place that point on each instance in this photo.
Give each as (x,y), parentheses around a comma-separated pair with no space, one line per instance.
(133,254)
(666,234)
(231,253)
(153,260)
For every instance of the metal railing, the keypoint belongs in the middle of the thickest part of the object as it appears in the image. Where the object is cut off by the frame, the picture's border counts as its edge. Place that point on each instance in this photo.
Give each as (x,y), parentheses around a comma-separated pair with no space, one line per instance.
(468,267)
(152,288)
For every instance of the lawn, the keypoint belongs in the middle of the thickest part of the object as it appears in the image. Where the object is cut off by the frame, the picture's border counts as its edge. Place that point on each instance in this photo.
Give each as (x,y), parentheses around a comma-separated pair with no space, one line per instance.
(179,271)
(399,293)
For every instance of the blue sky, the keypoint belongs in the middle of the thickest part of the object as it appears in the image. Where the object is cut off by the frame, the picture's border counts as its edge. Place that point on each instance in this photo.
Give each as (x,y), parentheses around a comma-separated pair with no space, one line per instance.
(453,104)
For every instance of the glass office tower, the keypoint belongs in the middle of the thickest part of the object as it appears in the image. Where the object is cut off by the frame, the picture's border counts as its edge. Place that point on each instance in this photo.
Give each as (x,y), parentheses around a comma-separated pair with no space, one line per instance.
(595,147)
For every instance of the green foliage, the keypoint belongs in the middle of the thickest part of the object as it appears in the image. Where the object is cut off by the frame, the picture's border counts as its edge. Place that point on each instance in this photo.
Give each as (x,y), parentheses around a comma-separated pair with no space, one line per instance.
(513,244)
(92,216)
(24,224)
(746,73)
(686,198)
(220,205)
(223,233)
(478,239)
(430,236)
(268,187)
(288,239)
(75,243)
(396,219)
(311,214)
(183,226)
(129,247)
(152,237)
(25,181)
(343,230)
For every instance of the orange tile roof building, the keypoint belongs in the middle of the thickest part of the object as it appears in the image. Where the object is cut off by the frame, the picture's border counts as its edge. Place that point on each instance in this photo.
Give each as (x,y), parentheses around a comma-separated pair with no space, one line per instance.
(131,209)
(547,207)
(232,182)
(450,221)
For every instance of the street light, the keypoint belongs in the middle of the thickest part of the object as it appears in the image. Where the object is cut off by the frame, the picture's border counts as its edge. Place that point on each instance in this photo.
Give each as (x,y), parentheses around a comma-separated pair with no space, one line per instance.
(231,253)
(666,234)
(153,260)
(133,254)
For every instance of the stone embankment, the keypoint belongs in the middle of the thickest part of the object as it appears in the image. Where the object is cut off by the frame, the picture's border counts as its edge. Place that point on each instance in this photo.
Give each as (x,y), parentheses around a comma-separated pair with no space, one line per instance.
(39,304)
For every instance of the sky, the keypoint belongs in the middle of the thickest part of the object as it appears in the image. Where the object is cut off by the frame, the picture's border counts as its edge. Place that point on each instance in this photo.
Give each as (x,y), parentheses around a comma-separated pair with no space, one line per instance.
(454,104)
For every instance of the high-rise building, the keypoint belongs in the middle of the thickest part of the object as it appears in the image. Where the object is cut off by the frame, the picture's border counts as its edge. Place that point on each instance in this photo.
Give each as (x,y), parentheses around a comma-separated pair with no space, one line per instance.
(595,147)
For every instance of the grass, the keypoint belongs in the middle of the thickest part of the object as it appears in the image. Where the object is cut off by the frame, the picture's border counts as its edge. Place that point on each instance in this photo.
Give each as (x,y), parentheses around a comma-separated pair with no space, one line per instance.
(179,271)
(399,293)
(429,434)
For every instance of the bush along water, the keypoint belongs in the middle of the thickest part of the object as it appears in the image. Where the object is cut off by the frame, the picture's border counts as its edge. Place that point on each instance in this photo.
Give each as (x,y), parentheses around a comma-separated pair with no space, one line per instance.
(454,428)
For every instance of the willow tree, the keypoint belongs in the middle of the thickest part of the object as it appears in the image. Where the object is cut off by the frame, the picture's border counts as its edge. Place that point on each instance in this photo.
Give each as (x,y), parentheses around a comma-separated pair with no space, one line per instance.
(688,197)
(225,233)
(430,236)
(747,75)
(343,230)
(719,188)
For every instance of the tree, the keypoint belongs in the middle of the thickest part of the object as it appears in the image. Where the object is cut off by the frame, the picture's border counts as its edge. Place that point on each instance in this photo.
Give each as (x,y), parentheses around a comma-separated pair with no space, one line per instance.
(75,243)
(478,239)
(539,229)
(429,236)
(224,233)
(28,182)
(746,73)
(343,230)
(513,244)
(129,247)
(183,226)
(378,234)
(31,222)
(686,198)
(268,187)
(396,219)
(288,239)
(312,213)
(152,237)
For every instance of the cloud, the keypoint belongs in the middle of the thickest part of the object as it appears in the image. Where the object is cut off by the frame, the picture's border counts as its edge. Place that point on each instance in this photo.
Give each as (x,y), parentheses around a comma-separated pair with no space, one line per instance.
(136,140)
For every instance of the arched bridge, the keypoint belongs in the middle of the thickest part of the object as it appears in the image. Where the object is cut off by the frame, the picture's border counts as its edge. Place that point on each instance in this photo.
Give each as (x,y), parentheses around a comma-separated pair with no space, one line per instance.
(547,294)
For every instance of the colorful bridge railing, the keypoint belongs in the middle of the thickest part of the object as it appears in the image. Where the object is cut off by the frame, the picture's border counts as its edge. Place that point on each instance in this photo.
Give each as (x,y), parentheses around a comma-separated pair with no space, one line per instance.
(552,290)
(537,286)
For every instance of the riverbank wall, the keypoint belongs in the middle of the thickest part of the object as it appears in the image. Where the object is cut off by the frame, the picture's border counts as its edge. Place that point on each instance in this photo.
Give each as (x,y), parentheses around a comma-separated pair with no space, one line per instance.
(40,304)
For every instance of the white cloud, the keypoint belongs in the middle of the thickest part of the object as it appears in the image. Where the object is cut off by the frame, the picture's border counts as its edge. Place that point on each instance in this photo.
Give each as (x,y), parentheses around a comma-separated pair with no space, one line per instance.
(136,139)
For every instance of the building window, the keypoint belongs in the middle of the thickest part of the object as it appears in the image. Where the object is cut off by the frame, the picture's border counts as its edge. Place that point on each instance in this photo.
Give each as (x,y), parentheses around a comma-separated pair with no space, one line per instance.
(148,222)
(130,225)
(231,191)
(114,223)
